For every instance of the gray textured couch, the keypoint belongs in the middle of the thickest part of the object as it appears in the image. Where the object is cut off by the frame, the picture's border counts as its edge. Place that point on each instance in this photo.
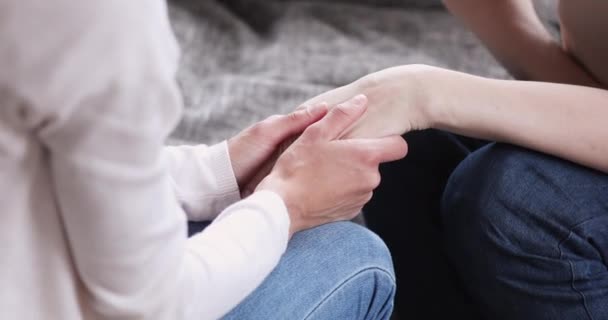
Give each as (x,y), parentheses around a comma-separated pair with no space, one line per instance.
(246,59)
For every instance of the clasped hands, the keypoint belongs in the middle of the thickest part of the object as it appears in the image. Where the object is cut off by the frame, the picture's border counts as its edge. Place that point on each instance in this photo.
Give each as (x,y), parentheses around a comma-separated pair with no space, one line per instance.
(323,158)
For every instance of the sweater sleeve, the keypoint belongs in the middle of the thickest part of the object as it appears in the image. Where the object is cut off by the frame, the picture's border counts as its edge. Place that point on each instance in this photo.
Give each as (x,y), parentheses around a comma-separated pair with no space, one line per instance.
(203,179)
(97,78)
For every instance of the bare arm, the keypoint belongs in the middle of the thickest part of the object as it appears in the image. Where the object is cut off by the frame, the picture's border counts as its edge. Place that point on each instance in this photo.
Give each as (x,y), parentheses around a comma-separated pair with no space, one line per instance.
(515,35)
(563,120)
(566,121)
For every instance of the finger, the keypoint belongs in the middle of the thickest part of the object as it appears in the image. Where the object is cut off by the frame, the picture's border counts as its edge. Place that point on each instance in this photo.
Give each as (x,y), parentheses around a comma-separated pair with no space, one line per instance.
(285,126)
(339,119)
(335,96)
(379,150)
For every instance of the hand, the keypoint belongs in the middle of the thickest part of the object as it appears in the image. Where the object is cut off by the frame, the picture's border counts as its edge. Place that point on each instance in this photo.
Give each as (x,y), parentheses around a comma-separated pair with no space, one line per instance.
(266,168)
(259,144)
(322,178)
(399,101)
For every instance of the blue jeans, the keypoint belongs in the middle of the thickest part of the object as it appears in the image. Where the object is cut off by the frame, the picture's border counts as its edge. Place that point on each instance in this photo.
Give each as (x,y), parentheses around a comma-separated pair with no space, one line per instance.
(528,234)
(335,271)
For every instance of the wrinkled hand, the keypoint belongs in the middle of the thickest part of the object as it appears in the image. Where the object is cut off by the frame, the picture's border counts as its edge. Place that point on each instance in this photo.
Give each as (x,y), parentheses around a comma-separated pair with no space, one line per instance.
(322,178)
(266,168)
(259,145)
(398,100)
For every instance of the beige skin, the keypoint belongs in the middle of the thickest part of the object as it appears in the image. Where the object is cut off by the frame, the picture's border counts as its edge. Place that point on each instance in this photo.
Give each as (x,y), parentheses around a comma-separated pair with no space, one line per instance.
(568,121)
(320,177)
(584,34)
(515,35)
(562,111)
(563,120)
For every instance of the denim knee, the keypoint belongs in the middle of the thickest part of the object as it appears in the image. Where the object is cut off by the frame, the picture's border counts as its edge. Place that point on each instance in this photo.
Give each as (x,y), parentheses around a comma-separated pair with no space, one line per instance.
(520,199)
(501,199)
(368,293)
(362,274)
(335,271)
(521,226)
(350,245)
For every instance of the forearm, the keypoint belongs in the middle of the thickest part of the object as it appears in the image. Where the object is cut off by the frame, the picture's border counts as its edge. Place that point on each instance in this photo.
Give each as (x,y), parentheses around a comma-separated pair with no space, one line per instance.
(233,255)
(515,35)
(563,120)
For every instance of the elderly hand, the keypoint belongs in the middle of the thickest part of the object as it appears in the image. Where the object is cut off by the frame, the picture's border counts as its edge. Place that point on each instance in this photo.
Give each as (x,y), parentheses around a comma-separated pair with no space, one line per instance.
(259,145)
(323,178)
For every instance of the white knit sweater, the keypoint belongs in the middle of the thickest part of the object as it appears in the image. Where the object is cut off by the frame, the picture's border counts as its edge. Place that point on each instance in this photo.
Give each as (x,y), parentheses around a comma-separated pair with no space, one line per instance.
(93,207)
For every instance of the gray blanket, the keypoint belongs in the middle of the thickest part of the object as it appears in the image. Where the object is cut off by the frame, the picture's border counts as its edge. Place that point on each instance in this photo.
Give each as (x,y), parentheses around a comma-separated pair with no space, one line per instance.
(246,59)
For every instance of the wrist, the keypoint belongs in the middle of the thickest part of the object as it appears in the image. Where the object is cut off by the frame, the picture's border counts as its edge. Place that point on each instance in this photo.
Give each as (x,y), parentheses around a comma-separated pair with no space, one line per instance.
(442,92)
(423,86)
(464,103)
(437,97)
(283,190)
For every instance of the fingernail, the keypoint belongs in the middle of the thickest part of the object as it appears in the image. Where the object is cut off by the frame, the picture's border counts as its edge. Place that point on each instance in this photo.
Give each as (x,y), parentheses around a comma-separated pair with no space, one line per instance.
(359,100)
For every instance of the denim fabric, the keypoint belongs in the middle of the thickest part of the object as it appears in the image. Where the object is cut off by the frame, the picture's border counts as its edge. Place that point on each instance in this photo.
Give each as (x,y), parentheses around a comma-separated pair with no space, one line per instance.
(528,234)
(335,271)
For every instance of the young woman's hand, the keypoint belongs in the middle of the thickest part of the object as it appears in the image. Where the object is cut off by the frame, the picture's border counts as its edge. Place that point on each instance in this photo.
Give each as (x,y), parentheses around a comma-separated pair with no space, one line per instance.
(399,101)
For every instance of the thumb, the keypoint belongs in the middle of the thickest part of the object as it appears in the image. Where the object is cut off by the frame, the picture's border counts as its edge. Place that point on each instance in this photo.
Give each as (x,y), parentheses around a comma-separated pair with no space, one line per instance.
(296,122)
(339,119)
(380,150)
